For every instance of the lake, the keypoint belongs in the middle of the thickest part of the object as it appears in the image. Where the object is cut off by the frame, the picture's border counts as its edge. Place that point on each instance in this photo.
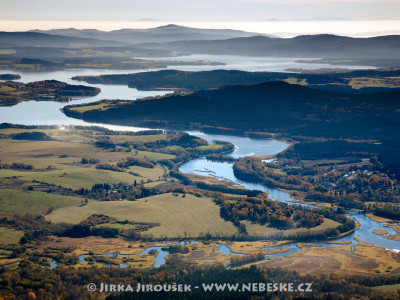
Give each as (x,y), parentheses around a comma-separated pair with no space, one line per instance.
(48,113)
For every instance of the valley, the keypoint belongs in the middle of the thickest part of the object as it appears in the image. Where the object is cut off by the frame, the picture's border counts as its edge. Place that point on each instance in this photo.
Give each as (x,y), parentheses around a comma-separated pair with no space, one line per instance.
(231,160)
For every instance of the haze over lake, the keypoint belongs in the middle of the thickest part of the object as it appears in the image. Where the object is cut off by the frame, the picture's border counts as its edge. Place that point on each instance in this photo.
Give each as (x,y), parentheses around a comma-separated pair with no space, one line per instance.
(363,28)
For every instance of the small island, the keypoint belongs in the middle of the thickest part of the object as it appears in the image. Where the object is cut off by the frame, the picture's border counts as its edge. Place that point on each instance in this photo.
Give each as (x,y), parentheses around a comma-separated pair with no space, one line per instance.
(12,93)
(9,77)
(111,63)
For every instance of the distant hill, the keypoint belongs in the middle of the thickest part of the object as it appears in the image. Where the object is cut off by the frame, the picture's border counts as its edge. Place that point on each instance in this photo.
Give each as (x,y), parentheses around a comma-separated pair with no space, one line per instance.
(174,79)
(186,80)
(276,107)
(180,39)
(103,53)
(322,46)
(160,34)
(36,39)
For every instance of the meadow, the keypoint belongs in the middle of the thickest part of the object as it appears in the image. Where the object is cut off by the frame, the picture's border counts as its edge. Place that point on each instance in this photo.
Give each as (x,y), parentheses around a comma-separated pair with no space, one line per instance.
(10,236)
(177,214)
(262,230)
(14,201)
(67,162)
(364,259)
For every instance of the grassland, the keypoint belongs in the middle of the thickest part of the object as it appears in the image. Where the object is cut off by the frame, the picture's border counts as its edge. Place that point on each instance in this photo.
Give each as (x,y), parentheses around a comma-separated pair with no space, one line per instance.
(365,259)
(361,82)
(260,230)
(80,177)
(64,153)
(98,246)
(20,202)
(100,106)
(58,171)
(199,252)
(10,236)
(395,237)
(379,231)
(378,219)
(176,214)
(293,80)
(394,288)
(204,253)
(93,244)
(253,247)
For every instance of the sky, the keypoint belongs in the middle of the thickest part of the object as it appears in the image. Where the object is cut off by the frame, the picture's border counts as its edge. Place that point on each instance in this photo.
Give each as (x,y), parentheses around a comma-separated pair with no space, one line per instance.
(105,14)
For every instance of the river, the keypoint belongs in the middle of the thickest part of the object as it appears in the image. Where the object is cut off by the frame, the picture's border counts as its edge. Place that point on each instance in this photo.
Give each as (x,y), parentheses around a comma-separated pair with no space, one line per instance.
(223,170)
(48,113)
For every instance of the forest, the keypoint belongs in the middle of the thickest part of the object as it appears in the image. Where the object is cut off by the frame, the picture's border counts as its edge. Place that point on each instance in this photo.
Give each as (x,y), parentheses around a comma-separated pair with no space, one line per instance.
(352,82)
(355,177)
(70,282)
(12,93)
(272,107)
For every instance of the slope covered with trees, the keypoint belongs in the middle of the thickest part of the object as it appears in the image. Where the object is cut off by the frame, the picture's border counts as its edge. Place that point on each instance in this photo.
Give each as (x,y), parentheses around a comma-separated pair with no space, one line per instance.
(275,107)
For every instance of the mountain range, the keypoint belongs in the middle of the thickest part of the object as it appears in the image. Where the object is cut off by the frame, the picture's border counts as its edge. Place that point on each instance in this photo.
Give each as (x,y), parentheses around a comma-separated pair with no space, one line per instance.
(321,45)
(168,33)
(36,39)
(172,38)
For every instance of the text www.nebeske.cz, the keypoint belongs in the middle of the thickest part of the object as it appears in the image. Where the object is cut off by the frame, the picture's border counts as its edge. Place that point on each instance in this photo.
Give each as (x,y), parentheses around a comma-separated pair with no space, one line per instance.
(206,287)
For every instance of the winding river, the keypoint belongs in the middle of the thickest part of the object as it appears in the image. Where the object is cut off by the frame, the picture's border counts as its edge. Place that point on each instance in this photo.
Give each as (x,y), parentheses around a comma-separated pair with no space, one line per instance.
(48,113)
(224,171)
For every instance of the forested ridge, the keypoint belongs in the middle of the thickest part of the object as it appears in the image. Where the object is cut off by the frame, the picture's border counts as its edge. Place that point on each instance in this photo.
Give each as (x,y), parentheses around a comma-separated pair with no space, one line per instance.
(276,107)
(187,80)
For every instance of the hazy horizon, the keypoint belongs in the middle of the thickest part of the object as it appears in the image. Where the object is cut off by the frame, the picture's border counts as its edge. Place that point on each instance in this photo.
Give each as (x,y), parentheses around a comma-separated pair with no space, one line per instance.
(356,28)
(279,17)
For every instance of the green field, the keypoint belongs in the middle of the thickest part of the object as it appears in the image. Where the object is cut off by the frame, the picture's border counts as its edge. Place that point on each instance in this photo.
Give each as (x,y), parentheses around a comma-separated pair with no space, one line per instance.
(176,214)
(394,288)
(361,82)
(20,202)
(68,171)
(10,236)
(155,156)
(80,177)
(257,229)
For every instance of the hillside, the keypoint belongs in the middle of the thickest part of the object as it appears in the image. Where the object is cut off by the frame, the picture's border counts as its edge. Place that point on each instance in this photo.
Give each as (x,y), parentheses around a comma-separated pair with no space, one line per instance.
(276,107)
(166,33)
(36,39)
(12,93)
(346,82)
(322,45)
